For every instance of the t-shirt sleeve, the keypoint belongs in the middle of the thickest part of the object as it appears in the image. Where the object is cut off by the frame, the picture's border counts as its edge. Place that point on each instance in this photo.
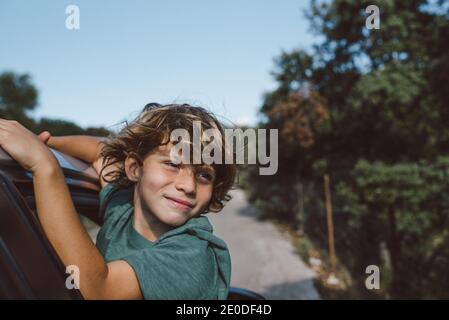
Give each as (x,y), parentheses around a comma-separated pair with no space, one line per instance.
(176,272)
(110,197)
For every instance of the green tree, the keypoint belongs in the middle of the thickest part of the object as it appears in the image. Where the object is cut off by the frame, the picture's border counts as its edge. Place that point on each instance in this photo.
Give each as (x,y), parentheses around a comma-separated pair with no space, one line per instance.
(397,216)
(383,95)
(17,96)
(63,127)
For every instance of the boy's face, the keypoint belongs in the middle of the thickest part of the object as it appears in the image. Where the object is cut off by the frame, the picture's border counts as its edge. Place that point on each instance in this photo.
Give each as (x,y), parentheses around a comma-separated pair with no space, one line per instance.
(173,193)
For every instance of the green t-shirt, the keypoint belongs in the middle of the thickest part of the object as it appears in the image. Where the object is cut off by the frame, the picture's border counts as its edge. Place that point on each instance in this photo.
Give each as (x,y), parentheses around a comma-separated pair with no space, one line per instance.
(187,262)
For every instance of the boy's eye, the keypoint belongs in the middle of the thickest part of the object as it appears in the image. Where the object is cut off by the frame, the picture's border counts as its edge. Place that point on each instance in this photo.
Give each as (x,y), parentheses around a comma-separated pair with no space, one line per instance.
(171,164)
(205,176)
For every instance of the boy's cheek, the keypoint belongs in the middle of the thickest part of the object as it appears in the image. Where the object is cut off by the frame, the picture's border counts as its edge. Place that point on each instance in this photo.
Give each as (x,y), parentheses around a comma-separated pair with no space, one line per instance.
(156,181)
(205,197)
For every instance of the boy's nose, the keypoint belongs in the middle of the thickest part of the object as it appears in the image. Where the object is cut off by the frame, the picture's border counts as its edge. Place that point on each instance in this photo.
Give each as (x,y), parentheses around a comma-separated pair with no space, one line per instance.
(185,181)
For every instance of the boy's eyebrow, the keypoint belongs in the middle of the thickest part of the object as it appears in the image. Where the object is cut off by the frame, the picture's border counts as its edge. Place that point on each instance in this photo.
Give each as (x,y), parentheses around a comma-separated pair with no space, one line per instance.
(207,167)
(165,152)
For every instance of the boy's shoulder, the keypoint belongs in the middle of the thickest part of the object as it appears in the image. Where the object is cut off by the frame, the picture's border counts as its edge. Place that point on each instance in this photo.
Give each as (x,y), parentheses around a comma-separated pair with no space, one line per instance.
(114,198)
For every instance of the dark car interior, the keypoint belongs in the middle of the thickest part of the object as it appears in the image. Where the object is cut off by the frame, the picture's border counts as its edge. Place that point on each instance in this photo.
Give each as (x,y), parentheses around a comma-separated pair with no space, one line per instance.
(29,267)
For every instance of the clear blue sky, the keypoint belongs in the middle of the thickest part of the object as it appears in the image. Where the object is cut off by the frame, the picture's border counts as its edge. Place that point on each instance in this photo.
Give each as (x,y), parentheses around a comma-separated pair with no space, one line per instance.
(217,54)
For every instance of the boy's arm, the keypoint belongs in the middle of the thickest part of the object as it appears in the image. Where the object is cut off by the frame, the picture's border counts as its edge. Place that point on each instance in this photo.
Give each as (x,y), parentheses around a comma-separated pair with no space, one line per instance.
(57,214)
(58,217)
(86,148)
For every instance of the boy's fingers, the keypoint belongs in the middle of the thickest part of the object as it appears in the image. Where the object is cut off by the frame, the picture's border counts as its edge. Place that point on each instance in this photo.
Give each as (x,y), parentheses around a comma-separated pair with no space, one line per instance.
(44,136)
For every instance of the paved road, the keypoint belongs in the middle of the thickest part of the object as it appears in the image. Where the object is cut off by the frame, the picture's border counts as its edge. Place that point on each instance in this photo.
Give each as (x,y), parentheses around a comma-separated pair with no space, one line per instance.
(263,259)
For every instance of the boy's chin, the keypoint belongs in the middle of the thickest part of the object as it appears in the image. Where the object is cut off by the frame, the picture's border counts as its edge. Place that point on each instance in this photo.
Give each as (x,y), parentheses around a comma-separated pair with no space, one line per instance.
(174,219)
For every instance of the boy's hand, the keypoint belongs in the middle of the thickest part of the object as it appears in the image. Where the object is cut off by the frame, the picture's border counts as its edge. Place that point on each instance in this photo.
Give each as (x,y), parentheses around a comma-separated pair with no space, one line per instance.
(24,146)
(44,136)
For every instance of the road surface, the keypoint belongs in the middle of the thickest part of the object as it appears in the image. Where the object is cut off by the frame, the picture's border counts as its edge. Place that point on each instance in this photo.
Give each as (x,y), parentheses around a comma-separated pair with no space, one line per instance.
(263,258)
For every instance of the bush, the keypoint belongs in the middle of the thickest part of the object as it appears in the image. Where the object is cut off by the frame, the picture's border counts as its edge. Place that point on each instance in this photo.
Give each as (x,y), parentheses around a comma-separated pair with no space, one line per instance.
(396,216)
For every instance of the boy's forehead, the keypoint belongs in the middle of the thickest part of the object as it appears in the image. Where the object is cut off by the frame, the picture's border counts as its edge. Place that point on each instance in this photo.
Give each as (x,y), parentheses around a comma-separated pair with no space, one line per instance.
(163,149)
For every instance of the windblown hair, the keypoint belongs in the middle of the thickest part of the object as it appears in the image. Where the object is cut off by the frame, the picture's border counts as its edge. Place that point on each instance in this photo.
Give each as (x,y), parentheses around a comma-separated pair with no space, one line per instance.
(151,129)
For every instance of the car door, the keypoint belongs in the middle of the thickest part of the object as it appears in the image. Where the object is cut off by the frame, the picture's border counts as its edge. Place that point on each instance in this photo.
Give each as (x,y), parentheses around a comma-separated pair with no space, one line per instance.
(29,266)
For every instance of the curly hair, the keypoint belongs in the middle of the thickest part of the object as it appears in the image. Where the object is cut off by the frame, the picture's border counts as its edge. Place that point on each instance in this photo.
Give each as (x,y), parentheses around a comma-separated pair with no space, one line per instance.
(152,128)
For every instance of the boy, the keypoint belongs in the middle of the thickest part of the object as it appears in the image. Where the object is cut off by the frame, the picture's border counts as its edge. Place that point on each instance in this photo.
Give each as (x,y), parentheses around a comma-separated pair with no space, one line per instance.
(154,243)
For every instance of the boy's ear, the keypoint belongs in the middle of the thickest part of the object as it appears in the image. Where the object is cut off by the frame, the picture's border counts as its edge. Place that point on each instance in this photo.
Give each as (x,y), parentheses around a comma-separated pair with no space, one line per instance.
(133,169)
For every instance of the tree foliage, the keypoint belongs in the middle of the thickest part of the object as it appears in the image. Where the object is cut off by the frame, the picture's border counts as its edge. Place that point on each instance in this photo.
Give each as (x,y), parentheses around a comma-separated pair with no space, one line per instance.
(368,107)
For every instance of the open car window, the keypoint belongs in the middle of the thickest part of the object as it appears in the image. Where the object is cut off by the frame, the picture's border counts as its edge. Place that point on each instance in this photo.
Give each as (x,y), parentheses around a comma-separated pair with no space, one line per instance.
(81,179)
(29,267)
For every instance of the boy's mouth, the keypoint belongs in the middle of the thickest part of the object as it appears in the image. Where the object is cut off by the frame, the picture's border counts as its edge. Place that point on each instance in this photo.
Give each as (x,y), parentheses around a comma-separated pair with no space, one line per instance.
(180,204)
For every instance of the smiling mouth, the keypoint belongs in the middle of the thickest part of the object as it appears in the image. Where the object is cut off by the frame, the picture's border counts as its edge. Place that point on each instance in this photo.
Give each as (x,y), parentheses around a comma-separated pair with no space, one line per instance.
(180,204)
